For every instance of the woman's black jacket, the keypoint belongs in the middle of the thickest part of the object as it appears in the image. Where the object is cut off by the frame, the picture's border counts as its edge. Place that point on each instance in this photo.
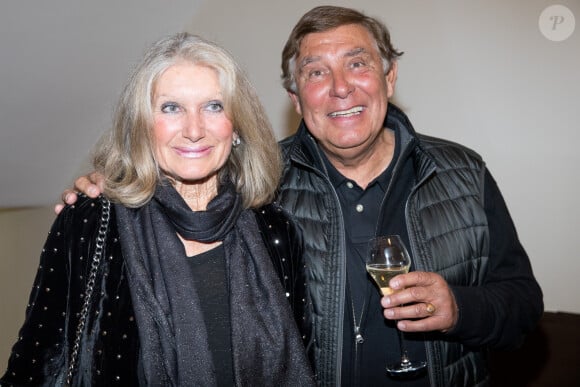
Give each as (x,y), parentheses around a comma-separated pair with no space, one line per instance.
(45,342)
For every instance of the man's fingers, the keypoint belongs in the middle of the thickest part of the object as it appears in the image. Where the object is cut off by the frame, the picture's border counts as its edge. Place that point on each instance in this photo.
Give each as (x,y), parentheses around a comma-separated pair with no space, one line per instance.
(98,180)
(414,278)
(67,197)
(58,208)
(91,185)
(85,185)
(423,302)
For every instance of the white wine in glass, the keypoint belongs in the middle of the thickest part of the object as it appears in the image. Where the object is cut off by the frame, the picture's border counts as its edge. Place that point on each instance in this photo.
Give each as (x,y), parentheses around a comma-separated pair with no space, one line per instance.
(383,273)
(389,258)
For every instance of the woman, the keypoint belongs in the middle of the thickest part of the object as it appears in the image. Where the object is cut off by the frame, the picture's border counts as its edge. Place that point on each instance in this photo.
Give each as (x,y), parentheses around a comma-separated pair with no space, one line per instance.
(174,283)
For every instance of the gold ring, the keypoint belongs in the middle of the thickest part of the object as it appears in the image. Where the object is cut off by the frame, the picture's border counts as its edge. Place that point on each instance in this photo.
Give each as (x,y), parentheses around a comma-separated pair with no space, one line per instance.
(430,308)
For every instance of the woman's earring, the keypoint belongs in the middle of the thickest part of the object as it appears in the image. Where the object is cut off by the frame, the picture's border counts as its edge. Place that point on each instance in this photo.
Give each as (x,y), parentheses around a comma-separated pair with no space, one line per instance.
(236,141)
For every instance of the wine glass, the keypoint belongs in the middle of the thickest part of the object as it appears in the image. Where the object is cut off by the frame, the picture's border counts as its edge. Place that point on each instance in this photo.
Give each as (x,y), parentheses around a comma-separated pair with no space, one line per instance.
(389,257)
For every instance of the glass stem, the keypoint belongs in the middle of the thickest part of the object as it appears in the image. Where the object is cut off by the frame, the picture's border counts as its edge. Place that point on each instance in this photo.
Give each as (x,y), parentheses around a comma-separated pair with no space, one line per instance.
(405,362)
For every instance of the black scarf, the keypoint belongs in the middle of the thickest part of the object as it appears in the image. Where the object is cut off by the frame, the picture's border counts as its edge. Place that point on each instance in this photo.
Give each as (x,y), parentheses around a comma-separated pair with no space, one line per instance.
(266,346)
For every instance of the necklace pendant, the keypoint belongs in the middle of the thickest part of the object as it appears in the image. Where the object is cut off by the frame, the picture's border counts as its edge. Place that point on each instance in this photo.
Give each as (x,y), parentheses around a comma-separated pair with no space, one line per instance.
(357,336)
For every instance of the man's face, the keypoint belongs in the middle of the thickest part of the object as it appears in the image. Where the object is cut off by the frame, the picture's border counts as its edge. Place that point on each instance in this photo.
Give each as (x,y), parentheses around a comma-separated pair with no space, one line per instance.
(342,91)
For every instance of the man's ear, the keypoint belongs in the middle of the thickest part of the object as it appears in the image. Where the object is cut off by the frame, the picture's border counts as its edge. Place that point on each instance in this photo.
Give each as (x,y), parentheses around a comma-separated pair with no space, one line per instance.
(391,78)
(296,102)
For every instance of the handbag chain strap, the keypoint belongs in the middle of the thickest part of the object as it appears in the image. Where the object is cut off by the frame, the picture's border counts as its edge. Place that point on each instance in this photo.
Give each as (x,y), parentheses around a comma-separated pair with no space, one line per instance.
(99,246)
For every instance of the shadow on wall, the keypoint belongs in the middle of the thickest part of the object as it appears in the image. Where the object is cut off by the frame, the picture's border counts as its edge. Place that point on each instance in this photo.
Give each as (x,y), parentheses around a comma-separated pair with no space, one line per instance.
(550,355)
(292,121)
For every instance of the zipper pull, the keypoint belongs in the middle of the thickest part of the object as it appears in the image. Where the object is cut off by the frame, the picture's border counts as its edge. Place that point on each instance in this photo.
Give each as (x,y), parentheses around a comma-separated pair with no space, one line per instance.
(357,336)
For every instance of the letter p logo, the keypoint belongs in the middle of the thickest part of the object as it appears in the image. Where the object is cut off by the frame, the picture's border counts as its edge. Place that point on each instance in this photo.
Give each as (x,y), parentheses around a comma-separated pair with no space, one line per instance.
(557,20)
(557,23)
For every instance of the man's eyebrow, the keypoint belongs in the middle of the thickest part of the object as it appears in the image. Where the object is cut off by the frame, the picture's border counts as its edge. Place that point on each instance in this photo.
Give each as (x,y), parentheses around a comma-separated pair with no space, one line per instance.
(355,52)
(307,60)
(349,54)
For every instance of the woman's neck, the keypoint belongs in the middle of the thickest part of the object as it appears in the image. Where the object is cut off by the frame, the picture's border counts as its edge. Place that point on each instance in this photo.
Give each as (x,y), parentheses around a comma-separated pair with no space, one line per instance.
(197,195)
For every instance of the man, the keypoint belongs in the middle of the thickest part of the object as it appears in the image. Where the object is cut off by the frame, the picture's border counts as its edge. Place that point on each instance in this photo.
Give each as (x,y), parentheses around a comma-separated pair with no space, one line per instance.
(356,168)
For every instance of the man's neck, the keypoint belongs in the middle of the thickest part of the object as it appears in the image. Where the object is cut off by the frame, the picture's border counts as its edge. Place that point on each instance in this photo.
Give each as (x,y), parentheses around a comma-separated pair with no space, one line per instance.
(365,167)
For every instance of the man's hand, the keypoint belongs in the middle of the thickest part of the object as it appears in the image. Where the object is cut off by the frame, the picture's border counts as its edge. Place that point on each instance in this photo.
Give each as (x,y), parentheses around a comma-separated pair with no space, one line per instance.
(422,302)
(91,185)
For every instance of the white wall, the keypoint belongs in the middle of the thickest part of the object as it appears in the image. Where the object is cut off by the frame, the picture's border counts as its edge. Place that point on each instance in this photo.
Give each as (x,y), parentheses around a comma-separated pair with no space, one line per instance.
(477,72)
(23,232)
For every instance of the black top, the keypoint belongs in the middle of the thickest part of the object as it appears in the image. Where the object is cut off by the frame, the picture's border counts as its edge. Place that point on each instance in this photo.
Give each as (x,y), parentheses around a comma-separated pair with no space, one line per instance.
(364,364)
(209,271)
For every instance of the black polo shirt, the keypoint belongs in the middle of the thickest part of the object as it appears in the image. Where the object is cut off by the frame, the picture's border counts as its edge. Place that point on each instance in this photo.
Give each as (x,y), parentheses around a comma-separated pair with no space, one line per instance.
(364,364)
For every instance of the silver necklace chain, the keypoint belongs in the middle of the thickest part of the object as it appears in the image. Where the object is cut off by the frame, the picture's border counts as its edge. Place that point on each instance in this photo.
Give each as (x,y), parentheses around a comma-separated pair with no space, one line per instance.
(358,337)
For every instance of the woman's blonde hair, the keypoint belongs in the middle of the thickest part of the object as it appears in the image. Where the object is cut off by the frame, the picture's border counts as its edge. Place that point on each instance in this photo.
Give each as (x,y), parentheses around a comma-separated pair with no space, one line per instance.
(125,154)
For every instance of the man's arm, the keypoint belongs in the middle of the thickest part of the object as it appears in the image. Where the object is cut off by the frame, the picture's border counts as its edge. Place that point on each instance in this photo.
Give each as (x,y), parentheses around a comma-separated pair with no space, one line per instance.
(498,313)
(509,304)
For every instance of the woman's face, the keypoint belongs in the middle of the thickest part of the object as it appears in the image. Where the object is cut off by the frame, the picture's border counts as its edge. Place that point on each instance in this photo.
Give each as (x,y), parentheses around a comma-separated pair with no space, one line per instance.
(192,134)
